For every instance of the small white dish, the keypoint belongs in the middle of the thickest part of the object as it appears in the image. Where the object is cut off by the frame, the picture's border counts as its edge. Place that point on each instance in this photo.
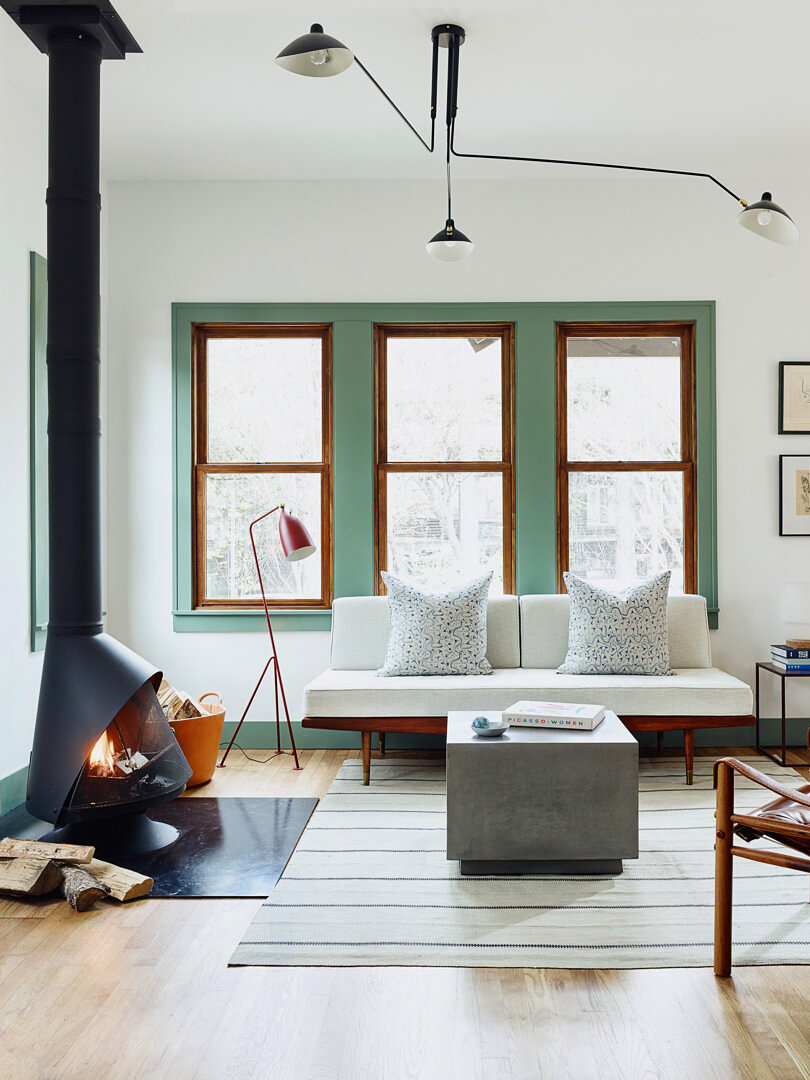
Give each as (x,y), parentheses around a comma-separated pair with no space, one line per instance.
(488,729)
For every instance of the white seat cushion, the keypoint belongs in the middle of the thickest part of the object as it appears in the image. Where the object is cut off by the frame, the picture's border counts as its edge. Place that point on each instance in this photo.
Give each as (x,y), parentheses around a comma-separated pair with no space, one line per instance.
(689,692)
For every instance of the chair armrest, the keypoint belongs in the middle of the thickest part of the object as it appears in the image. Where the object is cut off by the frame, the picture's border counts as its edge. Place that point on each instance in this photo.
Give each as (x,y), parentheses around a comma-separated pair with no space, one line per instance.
(763,780)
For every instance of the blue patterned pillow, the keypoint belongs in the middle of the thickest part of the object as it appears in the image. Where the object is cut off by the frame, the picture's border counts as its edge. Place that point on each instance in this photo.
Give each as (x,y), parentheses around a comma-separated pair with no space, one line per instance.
(437,633)
(617,633)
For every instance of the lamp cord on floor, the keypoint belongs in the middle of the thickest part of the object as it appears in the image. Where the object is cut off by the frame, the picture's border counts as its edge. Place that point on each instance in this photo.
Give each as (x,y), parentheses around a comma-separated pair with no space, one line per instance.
(259,761)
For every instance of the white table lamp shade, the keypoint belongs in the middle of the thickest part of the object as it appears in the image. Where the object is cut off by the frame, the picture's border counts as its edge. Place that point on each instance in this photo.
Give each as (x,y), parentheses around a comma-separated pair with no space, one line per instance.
(794,602)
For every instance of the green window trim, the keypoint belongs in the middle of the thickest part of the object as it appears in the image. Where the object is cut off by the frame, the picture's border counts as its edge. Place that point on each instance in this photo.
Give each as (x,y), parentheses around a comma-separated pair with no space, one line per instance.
(353,437)
(38,461)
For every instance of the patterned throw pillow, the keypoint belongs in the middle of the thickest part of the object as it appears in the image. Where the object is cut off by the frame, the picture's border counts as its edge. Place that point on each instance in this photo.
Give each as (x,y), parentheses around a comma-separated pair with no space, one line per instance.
(617,633)
(437,633)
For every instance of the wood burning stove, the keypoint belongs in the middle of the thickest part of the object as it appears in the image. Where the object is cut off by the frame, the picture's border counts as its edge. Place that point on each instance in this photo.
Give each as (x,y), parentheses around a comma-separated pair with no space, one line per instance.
(102,746)
(134,764)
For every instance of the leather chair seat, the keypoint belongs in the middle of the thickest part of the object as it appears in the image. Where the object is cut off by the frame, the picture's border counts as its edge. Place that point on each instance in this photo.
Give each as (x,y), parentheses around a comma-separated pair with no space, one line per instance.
(773,813)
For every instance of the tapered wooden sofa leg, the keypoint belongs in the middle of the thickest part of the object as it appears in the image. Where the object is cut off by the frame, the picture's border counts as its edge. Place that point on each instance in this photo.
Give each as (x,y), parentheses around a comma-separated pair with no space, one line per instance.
(381,736)
(365,743)
(689,753)
(723,870)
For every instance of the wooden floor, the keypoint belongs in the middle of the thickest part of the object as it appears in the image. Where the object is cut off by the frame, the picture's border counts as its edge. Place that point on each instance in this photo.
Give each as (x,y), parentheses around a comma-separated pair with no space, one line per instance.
(144,991)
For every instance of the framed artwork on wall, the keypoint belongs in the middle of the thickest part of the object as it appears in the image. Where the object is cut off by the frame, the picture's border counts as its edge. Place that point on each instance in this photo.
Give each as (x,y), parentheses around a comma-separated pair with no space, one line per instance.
(794,495)
(794,397)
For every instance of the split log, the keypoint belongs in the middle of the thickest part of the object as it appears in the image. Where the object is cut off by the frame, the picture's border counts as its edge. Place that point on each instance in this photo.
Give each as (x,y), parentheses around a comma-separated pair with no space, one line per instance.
(122,884)
(80,888)
(29,877)
(38,849)
(177,704)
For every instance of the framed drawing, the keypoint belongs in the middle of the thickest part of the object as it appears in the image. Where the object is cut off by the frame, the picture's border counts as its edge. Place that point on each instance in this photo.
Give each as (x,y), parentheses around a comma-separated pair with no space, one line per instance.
(794,397)
(794,495)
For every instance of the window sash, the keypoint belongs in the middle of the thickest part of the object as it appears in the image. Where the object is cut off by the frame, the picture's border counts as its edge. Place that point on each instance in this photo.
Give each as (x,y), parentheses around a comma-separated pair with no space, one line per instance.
(201,467)
(504,465)
(687,464)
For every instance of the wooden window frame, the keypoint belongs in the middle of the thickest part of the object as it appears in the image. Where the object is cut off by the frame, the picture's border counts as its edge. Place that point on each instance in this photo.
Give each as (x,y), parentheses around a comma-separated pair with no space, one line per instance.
(687,465)
(201,333)
(382,467)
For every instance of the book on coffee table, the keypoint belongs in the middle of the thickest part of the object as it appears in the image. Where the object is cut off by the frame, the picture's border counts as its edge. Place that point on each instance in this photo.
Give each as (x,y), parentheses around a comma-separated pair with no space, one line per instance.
(554,714)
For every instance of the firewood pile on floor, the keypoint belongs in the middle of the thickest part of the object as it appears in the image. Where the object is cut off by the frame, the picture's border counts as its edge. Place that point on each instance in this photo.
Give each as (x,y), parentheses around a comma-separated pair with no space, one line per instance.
(33,868)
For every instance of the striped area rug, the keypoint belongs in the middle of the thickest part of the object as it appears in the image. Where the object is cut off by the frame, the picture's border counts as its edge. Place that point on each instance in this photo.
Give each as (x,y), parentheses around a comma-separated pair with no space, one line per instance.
(369,885)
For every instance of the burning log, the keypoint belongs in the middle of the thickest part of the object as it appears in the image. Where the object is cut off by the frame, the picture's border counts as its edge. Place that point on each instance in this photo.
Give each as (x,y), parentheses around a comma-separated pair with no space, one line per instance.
(80,888)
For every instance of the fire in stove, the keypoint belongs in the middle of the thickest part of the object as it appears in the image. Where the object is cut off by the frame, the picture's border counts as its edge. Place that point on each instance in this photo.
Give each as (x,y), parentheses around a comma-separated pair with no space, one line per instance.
(104,760)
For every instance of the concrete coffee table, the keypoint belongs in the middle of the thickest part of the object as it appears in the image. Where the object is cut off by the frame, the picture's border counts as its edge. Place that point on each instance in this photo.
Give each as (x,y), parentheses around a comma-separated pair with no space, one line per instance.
(541,801)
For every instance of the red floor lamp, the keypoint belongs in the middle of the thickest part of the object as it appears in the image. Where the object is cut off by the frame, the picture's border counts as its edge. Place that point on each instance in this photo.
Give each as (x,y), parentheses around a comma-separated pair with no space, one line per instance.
(296,543)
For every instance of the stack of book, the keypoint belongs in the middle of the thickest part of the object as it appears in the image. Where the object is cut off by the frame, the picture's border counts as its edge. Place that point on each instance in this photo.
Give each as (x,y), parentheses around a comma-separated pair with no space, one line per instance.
(791,657)
(554,714)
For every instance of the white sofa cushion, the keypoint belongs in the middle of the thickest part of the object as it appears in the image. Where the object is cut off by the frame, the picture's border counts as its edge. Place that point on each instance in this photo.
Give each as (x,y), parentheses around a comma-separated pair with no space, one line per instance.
(622,633)
(361,625)
(437,633)
(544,631)
(702,691)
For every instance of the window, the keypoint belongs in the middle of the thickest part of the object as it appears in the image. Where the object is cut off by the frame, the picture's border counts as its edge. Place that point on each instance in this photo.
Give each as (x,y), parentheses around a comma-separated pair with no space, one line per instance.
(626,452)
(444,453)
(262,436)
(442,420)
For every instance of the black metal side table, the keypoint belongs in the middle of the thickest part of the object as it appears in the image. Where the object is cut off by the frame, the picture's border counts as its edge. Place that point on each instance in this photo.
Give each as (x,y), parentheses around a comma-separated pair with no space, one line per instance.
(784,676)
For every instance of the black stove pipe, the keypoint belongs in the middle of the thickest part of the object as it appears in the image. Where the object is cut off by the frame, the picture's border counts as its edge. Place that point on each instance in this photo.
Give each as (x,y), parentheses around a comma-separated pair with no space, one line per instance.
(87,676)
(74,404)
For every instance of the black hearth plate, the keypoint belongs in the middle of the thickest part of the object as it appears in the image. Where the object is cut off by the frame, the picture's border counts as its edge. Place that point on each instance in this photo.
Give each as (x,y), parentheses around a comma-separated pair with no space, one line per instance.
(225,847)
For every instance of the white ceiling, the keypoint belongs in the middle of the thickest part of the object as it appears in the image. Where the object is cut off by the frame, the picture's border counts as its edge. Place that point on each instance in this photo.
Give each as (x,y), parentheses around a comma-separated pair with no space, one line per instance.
(716,85)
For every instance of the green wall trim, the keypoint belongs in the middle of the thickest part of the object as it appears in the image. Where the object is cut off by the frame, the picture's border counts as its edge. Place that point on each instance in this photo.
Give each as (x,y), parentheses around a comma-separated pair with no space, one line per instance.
(38,461)
(218,622)
(353,424)
(13,789)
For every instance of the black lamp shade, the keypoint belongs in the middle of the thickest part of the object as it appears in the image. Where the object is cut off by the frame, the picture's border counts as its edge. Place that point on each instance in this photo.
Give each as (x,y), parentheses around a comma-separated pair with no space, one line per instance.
(766,218)
(315,54)
(449,244)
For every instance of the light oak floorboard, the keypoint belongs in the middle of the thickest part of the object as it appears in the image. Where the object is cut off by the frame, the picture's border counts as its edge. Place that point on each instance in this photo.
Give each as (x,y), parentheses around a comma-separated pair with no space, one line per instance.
(142,990)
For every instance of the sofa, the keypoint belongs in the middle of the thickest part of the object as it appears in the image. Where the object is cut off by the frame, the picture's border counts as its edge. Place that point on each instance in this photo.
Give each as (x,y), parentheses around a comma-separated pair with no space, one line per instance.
(527,639)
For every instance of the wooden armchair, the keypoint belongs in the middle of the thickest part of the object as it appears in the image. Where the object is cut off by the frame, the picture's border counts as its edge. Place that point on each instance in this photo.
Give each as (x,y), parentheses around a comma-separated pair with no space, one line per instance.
(785,819)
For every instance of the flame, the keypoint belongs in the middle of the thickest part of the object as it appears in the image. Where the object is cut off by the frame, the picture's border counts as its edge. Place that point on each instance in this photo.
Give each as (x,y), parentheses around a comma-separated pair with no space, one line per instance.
(102,756)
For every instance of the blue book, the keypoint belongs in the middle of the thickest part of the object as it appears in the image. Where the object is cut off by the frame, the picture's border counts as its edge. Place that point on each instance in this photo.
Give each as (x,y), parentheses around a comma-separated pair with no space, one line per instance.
(790,666)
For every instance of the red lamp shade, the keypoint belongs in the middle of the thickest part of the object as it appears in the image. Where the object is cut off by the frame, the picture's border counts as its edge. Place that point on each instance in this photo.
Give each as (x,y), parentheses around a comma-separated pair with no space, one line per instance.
(295,540)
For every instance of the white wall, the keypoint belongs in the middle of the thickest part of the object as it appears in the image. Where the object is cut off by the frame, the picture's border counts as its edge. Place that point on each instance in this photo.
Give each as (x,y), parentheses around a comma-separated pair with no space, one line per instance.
(23,176)
(601,239)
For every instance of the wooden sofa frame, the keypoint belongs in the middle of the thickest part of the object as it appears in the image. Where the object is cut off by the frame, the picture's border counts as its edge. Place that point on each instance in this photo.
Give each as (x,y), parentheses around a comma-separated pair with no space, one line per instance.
(437,725)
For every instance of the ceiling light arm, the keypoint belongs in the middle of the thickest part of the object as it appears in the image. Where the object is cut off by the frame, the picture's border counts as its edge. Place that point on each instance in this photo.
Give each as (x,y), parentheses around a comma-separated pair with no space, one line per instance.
(452,109)
(449,198)
(433,88)
(595,165)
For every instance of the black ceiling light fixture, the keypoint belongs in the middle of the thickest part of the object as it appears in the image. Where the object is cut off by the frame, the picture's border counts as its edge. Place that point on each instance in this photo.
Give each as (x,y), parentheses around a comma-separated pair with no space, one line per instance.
(318,54)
